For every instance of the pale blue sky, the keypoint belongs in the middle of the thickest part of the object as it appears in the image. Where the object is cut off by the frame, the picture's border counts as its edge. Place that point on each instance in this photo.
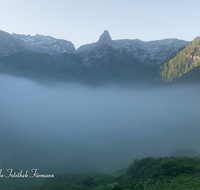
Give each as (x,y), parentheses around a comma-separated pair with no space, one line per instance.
(83,21)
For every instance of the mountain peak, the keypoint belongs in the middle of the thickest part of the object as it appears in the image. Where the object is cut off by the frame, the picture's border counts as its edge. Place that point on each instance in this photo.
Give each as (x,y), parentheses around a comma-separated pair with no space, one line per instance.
(45,44)
(105,37)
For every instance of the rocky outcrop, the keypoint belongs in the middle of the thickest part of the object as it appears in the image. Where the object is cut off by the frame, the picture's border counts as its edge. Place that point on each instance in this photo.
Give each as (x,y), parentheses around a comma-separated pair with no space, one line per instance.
(103,39)
(8,44)
(45,44)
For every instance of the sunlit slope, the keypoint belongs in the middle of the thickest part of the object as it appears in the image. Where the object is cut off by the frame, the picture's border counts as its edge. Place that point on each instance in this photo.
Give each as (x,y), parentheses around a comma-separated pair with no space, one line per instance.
(185,61)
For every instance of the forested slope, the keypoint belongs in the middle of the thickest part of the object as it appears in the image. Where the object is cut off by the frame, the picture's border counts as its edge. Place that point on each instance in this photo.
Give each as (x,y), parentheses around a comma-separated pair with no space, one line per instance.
(183,62)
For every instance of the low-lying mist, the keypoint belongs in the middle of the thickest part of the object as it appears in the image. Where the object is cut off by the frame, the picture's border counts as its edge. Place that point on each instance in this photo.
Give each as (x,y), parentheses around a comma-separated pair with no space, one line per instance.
(75,128)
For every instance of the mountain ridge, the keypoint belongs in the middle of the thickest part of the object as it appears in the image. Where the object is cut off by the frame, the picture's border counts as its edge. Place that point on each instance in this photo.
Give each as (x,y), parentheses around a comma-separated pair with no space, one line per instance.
(104,61)
(149,53)
(45,44)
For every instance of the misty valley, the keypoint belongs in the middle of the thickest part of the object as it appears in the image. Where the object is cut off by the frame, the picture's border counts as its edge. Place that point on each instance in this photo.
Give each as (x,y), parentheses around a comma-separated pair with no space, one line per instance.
(72,128)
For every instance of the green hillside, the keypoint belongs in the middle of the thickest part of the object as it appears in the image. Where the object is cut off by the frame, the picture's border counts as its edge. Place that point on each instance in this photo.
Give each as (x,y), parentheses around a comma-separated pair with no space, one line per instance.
(161,173)
(184,61)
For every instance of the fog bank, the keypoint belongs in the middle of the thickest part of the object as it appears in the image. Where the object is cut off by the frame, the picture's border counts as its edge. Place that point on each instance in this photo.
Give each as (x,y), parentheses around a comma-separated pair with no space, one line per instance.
(95,125)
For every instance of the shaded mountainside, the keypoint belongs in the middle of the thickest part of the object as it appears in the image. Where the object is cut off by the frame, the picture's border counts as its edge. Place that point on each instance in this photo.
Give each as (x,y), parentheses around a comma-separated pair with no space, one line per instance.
(184,66)
(35,65)
(112,67)
(8,44)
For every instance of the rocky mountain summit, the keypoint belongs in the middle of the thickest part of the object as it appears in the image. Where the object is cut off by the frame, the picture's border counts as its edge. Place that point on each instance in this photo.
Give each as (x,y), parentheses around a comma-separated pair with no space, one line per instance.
(44,44)
(148,53)
(105,38)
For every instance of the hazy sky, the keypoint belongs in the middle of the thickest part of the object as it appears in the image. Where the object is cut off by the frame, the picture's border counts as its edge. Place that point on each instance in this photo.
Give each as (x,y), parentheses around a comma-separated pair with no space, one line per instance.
(83,21)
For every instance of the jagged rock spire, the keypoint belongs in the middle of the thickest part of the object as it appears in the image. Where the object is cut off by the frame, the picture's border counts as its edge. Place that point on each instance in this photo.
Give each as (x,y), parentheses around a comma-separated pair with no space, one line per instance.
(105,37)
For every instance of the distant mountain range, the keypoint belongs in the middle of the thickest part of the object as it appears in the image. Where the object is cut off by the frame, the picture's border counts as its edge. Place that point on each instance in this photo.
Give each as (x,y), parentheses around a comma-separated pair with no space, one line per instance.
(106,61)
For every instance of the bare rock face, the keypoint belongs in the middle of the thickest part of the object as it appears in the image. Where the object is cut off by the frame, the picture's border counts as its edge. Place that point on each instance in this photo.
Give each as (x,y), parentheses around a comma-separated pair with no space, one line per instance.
(105,37)
(148,53)
(45,44)
(8,44)
(152,52)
